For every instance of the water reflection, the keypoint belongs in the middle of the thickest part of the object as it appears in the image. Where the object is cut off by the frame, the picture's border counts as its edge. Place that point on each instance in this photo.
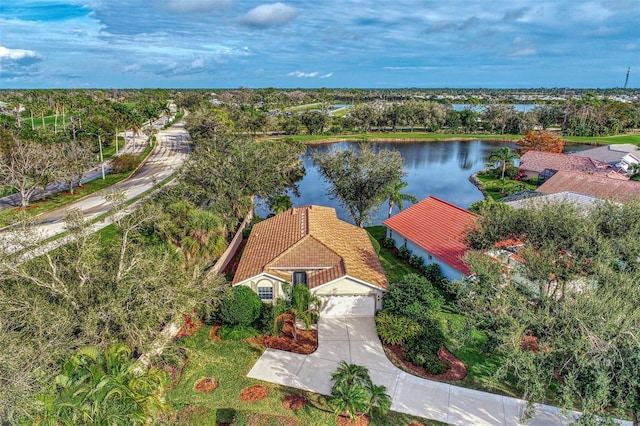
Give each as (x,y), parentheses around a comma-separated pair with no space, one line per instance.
(441,169)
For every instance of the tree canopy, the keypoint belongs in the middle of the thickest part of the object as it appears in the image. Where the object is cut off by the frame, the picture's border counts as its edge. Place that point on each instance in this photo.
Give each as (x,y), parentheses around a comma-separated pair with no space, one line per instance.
(565,317)
(360,179)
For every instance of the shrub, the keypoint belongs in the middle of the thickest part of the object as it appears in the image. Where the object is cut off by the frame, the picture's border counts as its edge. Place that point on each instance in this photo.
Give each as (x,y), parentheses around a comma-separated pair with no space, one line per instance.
(388,243)
(414,298)
(416,261)
(394,330)
(242,306)
(404,253)
(124,163)
(432,273)
(428,341)
(434,365)
(237,332)
(271,312)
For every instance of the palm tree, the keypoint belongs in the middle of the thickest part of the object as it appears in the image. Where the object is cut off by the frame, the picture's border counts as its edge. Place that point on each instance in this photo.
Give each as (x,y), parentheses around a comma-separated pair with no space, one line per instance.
(109,387)
(396,197)
(350,374)
(504,156)
(304,307)
(280,203)
(378,398)
(350,400)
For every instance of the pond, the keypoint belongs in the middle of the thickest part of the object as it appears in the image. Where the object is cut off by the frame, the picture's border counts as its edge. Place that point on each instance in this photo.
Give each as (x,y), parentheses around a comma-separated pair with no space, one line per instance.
(441,169)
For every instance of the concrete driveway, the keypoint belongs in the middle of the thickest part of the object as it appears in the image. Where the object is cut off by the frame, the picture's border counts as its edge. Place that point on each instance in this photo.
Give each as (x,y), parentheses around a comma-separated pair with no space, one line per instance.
(354,340)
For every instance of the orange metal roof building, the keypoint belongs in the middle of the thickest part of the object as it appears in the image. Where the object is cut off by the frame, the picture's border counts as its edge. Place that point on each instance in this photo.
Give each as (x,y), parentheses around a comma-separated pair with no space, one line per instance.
(438,227)
(310,238)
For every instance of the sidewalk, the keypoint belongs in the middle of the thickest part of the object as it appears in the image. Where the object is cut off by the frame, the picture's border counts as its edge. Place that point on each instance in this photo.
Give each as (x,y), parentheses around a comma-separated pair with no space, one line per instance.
(354,340)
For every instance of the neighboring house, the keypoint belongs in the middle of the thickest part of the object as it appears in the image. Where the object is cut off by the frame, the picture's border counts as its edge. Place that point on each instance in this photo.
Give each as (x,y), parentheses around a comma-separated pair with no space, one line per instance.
(434,230)
(621,156)
(309,245)
(597,186)
(532,163)
(582,202)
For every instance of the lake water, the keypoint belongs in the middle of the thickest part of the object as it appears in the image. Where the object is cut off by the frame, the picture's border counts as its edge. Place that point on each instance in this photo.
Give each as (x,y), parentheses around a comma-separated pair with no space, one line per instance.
(441,169)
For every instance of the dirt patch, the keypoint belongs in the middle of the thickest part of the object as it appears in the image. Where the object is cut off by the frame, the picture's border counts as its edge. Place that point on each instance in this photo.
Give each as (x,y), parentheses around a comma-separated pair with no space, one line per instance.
(253,393)
(294,401)
(357,421)
(205,385)
(305,342)
(456,370)
(256,419)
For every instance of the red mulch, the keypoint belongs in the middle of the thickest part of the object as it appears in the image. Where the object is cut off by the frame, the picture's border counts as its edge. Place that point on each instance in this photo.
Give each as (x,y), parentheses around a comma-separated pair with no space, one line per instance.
(214,333)
(306,341)
(253,393)
(415,424)
(189,327)
(357,421)
(456,370)
(530,343)
(294,401)
(206,385)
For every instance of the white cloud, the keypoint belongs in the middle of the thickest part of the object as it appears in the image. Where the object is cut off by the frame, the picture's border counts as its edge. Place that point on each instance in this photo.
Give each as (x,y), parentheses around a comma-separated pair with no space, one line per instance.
(267,15)
(16,55)
(327,75)
(300,74)
(523,46)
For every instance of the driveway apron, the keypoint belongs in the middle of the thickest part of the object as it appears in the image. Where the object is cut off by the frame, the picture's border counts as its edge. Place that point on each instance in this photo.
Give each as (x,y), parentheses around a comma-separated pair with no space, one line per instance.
(354,340)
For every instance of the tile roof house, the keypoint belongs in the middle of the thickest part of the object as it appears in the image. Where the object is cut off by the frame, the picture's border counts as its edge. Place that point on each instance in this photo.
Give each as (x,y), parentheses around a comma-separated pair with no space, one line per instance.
(309,245)
(619,155)
(534,162)
(434,229)
(580,201)
(622,191)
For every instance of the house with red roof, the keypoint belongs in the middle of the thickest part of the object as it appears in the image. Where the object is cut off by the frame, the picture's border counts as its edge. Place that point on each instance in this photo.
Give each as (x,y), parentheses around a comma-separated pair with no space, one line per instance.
(434,229)
(310,246)
(532,163)
(597,186)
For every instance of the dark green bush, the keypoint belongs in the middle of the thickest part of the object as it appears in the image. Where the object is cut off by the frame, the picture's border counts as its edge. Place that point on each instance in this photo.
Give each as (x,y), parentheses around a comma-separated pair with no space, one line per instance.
(434,365)
(124,163)
(416,261)
(242,306)
(414,298)
(388,243)
(270,313)
(404,253)
(432,273)
(428,341)
(237,332)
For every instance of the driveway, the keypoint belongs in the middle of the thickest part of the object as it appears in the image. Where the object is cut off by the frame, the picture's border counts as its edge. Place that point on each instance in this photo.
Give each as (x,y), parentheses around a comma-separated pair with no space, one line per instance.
(354,340)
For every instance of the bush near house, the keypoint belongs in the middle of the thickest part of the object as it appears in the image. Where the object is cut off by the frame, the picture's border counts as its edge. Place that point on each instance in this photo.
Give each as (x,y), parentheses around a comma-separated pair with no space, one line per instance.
(242,306)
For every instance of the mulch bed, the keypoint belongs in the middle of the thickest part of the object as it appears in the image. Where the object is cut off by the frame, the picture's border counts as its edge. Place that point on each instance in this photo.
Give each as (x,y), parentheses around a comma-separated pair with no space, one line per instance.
(306,341)
(253,393)
(357,421)
(294,401)
(206,385)
(456,370)
(214,333)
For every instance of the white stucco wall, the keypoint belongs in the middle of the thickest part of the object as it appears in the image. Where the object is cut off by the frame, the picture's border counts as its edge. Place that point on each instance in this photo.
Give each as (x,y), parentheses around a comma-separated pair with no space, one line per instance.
(447,270)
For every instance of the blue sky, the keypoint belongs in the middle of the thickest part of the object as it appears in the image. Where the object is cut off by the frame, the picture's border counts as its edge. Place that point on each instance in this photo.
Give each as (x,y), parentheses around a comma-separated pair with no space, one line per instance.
(319,43)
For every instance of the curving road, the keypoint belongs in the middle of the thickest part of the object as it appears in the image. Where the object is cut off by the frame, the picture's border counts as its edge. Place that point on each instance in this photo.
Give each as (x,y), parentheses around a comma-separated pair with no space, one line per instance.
(170,153)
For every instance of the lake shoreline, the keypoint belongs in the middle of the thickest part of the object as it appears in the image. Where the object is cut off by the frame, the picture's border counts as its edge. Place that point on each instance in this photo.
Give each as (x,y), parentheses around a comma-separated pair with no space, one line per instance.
(403,140)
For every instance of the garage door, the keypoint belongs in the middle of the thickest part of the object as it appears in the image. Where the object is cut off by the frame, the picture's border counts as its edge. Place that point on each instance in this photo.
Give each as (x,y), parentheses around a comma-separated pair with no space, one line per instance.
(348,306)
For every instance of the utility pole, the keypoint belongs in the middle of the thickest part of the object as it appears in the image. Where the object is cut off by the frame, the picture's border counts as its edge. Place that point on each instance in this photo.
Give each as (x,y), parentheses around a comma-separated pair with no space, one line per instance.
(626,80)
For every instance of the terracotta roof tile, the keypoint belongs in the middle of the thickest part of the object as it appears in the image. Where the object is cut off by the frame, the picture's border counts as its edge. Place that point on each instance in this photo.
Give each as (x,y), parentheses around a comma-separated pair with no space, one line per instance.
(597,186)
(438,227)
(537,161)
(313,238)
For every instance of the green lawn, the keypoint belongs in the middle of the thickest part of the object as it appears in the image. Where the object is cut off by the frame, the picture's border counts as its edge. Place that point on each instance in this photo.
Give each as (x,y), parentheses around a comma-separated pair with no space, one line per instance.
(229,362)
(434,137)
(497,188)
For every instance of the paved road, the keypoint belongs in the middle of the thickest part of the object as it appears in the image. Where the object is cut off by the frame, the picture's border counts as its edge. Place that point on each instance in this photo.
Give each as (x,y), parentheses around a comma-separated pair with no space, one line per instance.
(354,340)
(171,152)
